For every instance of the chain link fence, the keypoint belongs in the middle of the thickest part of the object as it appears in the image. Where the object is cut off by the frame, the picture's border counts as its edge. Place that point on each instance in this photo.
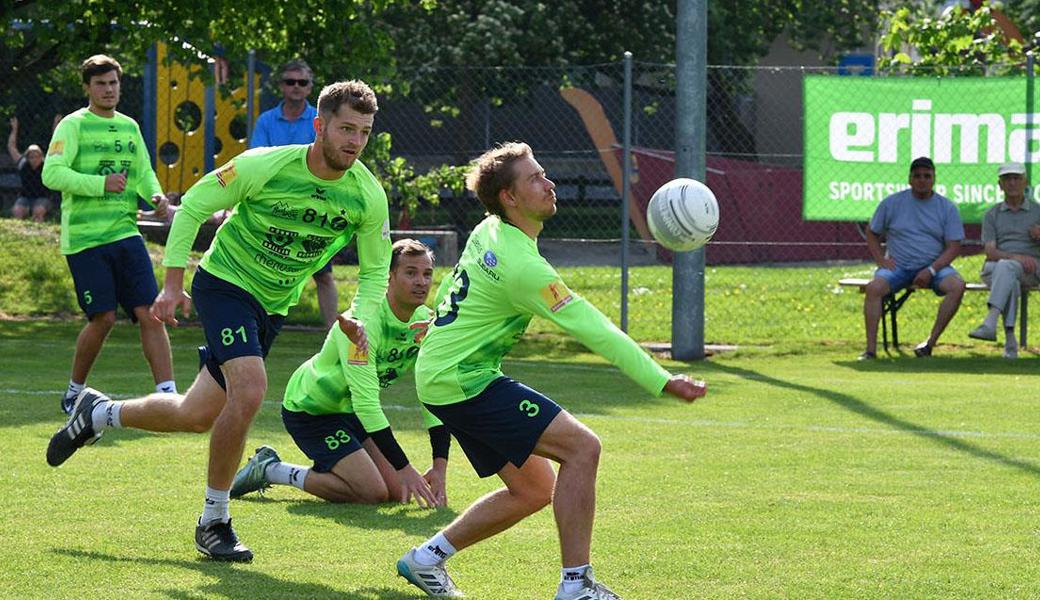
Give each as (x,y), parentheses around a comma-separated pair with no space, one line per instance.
(761,156)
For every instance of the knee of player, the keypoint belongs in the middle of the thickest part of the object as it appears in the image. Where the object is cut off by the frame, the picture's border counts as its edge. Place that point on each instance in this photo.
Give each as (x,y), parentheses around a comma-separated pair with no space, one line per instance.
(105,319)
(590,447)
(378,495)
(199,423)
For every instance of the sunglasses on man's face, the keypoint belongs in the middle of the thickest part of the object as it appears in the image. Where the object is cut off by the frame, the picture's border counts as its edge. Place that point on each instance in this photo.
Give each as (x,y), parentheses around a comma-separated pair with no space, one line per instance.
(299,82)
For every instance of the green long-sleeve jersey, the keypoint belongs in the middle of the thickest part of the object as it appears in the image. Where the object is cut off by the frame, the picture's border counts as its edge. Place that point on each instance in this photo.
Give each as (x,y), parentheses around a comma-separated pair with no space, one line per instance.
(500,282)
(285,223)
(335,381)
(84,150)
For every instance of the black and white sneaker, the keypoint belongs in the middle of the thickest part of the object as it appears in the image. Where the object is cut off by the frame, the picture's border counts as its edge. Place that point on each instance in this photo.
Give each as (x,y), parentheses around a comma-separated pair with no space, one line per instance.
(78,431)
(67,402)
(219,542)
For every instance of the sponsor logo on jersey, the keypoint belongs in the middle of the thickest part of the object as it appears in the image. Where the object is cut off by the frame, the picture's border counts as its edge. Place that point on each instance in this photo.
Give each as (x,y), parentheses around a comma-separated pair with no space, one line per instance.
(278,240)
(556,295)
(319,194)
(100,147)
(356,357)
(57,147)
(490,259)
(313,245)
(226,174)
(285,211)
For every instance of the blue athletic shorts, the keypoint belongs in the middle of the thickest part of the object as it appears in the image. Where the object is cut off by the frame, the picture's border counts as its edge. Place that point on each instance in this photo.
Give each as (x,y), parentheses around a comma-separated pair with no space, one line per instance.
(499,425)
(901,278)
(234,322)
(325,439)
(119,273)
(326,269)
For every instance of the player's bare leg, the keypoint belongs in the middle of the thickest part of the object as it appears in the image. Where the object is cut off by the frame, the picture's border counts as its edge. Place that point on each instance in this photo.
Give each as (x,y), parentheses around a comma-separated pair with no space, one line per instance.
(354,478)
(155,343)
(194,411)
(89,342)
(873,293)
(328,297)
(953,287)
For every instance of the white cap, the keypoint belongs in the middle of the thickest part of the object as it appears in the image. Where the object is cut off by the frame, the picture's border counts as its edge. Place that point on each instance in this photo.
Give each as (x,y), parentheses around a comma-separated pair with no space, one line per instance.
(1010,168)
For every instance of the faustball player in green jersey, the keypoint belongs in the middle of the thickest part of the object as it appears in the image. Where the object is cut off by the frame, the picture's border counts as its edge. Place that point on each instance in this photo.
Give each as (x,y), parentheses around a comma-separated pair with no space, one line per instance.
(100,164)
(333,412)
(504,427)
(292,208)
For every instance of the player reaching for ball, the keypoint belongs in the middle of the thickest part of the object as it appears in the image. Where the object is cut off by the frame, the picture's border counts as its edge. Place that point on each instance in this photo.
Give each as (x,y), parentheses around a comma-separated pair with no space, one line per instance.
(504,427)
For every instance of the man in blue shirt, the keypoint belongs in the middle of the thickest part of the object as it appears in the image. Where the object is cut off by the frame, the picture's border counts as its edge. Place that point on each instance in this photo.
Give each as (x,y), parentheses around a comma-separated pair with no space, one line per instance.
(923,234)
(292,122)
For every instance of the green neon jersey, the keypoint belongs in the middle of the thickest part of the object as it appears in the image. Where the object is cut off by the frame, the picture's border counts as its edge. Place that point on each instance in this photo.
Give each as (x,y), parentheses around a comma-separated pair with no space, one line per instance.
(285,224)
(335,381)
(84,150)
(500,282)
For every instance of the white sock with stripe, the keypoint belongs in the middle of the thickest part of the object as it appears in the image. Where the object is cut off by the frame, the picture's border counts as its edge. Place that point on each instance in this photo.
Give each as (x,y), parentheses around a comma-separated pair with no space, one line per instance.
(283,473)
(216,506)
(435,550)
(106,416)
(572,578)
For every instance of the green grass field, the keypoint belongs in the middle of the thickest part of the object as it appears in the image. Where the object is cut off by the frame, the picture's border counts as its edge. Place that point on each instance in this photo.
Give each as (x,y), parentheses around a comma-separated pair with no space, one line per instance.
(801,475)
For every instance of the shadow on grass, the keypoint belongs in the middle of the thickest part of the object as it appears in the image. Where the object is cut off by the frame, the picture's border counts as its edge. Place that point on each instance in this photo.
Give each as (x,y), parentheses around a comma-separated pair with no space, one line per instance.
(407,519)
(983,364)
(864,409)
(236,582)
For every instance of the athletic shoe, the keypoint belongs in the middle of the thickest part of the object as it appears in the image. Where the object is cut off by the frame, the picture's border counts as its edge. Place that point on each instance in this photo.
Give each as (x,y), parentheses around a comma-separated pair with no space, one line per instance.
(923,350)
(219,542)
(253,476)
(432,579)
(67,402)
(78,430)
(982,332)
(1011,353)
(590,590)
(867,356)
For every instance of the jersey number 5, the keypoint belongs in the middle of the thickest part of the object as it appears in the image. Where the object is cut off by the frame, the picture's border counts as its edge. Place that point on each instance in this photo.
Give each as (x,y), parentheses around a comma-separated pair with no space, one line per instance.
(458,295)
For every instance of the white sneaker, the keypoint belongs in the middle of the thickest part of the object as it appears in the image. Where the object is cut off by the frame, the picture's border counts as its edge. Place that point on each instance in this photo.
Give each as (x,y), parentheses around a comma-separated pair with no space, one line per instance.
(590,590)
(983,332)
(432,579)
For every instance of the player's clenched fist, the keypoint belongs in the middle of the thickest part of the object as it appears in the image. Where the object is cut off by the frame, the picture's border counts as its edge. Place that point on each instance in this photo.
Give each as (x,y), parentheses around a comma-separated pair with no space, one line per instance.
(686,388)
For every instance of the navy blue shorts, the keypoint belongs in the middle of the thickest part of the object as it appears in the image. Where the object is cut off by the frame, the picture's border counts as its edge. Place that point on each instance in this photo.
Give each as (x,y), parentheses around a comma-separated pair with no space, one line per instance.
(325,439)
(119,273)
(499,425)
(234,322)
(326,269)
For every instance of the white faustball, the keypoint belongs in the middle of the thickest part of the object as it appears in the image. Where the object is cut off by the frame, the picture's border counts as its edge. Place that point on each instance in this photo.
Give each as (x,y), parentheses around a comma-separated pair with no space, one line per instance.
(683,215)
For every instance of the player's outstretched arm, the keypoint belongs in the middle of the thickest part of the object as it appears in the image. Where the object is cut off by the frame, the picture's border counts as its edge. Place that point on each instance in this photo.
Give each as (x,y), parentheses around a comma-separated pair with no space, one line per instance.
(686,388)
(354,330)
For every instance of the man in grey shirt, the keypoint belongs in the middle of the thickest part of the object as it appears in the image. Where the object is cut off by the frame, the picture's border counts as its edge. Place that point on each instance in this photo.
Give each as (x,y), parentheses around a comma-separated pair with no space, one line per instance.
(923,232)
(1010,234)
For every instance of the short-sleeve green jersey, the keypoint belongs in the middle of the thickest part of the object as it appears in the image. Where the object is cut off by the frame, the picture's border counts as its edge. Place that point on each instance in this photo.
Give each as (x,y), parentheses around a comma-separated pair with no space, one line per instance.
(500,282)
(84,150)
(285,223)
(334,380)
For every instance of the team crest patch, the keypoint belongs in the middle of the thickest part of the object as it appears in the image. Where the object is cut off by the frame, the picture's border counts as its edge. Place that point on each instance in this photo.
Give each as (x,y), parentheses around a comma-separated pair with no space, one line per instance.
(57,147)
(490,259)
(226,174)
(556,295)
(356,357)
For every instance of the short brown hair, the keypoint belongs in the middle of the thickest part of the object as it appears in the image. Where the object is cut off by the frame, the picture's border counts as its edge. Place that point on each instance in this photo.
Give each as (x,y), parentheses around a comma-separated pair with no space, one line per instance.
(492,172)
(408,247)
(99,64)
(354,93)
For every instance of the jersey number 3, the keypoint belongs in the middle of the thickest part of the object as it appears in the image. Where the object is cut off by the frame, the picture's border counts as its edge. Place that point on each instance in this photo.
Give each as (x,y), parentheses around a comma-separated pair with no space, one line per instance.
(458,295)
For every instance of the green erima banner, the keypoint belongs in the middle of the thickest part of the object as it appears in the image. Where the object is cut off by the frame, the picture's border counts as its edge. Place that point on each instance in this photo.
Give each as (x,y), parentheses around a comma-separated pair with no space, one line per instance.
(862,133)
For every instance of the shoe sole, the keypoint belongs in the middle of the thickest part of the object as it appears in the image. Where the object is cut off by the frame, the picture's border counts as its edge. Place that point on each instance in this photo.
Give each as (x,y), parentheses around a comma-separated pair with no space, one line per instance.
(404,571)
(983,338)
(236,557)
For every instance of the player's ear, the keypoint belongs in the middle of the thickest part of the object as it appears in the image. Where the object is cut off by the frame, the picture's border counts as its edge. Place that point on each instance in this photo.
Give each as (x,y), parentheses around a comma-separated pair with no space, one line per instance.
(318,125)
(506,198)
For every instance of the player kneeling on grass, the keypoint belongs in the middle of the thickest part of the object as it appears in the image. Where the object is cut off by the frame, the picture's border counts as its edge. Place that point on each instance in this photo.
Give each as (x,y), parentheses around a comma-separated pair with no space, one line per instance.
(332,409)
(504,427)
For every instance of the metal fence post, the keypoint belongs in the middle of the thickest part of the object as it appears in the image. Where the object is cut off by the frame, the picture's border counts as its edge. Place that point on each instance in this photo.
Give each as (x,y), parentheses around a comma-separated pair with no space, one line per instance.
(148,113)
(250,76)
(688,267)
(626,188)
(210,119)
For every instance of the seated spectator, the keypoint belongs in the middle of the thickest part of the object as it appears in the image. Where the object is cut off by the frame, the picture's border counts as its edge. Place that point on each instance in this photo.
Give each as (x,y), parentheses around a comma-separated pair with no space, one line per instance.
(1011,240)
(923,232)
(33,198)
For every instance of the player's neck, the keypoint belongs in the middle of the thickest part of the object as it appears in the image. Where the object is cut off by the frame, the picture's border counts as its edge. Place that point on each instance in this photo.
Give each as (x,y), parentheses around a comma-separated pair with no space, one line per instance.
(402,310)
(106,113)
(318,167)
(530,227)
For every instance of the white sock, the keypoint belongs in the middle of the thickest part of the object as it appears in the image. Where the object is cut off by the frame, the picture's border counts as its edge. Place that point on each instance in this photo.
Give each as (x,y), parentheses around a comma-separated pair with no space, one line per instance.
(572,578)
(283,473)
(991,318)
(434,550)
(74,389)
(106,416)
(216,507)
(167,387)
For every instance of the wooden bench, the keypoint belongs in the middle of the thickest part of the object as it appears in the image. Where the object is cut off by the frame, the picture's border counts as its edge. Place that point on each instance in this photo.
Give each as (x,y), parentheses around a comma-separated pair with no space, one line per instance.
(891,304)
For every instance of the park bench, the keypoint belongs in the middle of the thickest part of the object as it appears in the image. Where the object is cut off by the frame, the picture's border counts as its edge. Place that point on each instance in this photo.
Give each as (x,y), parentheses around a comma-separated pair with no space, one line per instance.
(891,304)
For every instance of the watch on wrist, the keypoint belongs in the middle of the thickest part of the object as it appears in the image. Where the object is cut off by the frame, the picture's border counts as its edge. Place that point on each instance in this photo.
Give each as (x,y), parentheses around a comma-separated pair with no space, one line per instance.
(931,270)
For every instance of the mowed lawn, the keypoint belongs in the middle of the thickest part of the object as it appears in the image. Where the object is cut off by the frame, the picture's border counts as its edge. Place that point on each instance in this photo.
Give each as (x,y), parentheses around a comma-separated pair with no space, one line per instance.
(806,475)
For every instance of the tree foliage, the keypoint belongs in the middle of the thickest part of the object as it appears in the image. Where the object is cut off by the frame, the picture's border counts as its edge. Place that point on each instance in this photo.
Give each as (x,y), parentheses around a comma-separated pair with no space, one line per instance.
(957,42)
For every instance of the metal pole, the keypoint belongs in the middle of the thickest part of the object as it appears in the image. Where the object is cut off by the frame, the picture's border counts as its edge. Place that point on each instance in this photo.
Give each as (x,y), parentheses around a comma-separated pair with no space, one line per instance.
(210,119)
(148,116)
(250,78)
(691,50)
(626,185)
